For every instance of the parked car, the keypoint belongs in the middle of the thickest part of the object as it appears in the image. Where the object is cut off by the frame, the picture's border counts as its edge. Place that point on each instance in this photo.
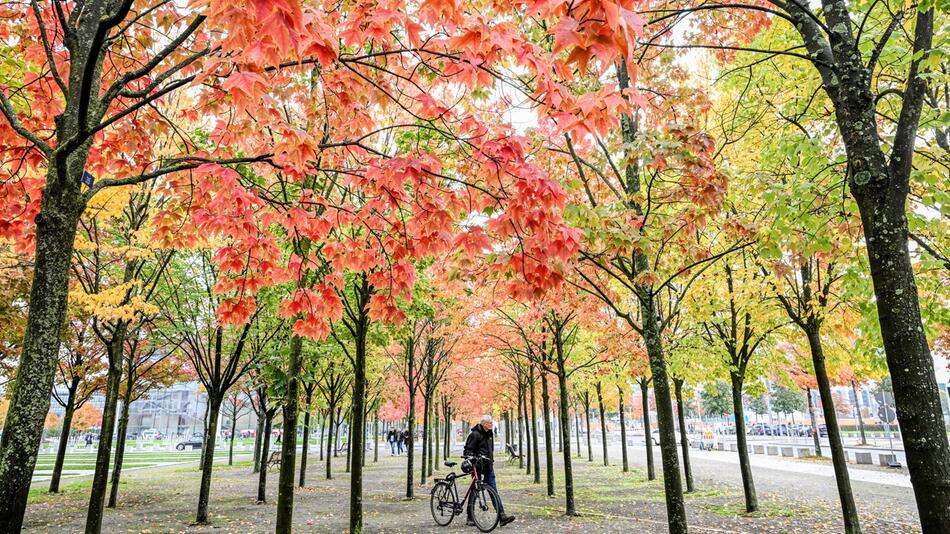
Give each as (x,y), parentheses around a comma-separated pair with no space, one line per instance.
(195,442)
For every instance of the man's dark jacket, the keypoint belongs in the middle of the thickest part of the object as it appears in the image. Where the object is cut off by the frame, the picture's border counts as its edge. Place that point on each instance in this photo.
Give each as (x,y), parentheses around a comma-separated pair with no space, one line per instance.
(482,443)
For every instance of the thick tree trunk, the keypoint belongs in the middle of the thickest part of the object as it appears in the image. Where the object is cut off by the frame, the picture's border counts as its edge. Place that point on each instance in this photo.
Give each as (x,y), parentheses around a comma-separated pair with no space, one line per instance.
(62,205)
(288,442)
(569,509)
(814,422)
(838,457)
(64,436)
(623,430)
(684,442)
(645,395)
(119,452)
(306,445)
(857,406)
(534,432)
(265,456)
(603,422)
(745,467)
(207,457)
(100,478)
(548,445)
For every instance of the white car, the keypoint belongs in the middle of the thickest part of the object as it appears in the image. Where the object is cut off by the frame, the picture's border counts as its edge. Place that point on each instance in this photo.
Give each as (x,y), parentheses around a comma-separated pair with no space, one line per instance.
(150,434)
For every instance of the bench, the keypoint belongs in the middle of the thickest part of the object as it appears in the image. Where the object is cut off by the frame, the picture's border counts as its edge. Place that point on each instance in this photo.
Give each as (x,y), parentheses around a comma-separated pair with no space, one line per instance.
(274,460)
(513,455)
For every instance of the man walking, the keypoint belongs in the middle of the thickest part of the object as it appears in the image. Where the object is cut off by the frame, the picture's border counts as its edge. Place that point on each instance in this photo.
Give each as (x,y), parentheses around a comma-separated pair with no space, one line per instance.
(391,438)
(401,441)
(481,442)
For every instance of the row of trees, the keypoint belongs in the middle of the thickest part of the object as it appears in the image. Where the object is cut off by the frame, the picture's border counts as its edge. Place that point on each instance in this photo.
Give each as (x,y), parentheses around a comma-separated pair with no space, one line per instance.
(250,190)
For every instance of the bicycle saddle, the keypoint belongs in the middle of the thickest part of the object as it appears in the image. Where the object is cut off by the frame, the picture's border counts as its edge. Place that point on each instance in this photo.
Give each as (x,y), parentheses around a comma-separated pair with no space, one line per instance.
(451,464)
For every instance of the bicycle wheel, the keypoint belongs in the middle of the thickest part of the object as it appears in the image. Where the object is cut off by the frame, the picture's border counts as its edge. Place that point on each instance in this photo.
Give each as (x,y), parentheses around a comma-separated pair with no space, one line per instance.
(485,508)
(442,504)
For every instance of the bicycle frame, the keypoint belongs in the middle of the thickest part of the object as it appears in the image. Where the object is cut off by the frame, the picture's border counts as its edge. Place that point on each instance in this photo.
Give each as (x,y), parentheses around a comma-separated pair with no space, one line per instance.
(457,504)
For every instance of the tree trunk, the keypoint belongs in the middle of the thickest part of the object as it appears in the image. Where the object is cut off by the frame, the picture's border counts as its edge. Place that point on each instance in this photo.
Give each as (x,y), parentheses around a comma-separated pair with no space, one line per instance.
(603,422)
(288,442)
(435,435)
(521,449)
(569,509)
(577,433)
(356,444)
(623,430)
(534,432)
(265,456)
(590,450)
(63,437)
(61,208)
(100,478)
(425,439)
(745,467)
(814,422)
(119,451)
(684,442)
(376,435)
(349,438)
(410,453)
(838,457)
(548,445)
(648,437)
(306,445)
(258,438)
(331,416)
(233,430)
(207,458)
(857,405)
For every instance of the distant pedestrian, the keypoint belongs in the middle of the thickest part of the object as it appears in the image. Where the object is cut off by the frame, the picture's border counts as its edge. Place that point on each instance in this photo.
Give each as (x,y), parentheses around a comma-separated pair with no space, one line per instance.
(406,439)
(400,442)
(391,438)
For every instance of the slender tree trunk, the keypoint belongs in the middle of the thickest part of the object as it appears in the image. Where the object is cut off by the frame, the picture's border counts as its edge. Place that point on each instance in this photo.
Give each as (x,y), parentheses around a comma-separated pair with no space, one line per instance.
(684,441)
(63,437)
(425,439)
(569,509)
(521,449)
(527,454)
(234,416)
(62,205)
(330,446)
(857,405)
(534,432)
(645,394)
(321,424)
(603,422)
(265,456)
(375,435)
(349,438)
(548,437)
(623,430)
(100,477)
(745,467)
(577,432)
(207,459)
(258,439)
(119,451)
(590,450)
(306,445)
(410,453)
(839,459)
(814,423)
(435,434)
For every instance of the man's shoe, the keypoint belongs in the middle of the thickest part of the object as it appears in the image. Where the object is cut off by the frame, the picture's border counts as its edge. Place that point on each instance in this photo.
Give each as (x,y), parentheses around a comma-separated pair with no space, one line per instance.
(470,522)
(505,519)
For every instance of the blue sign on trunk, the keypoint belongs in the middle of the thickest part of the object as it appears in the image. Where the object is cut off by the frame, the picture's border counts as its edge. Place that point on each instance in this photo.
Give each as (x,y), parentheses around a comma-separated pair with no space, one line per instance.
(87,178)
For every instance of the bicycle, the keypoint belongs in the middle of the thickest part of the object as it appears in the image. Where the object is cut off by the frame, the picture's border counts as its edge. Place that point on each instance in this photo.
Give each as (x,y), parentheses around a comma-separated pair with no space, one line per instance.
(482,499)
